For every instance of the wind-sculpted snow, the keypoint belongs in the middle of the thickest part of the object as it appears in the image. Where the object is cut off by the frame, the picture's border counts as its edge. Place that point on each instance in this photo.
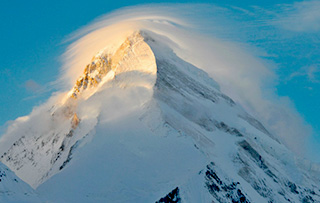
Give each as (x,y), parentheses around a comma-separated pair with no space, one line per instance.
(241,71)
(39,153)
(144,125)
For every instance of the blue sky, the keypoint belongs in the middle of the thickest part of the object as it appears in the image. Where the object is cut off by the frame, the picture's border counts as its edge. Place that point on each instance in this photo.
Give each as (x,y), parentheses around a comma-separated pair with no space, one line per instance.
(33,31)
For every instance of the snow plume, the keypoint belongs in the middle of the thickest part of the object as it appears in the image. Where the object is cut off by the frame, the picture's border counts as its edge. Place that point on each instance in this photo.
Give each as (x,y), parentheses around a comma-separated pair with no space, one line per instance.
(194,34)
(193,31)
(22,126)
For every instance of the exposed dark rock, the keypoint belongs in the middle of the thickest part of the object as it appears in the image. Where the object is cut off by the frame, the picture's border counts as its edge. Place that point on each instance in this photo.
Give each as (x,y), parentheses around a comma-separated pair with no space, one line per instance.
(257,158)
(172,197)
(62,147)
(308,199)
(224,127)
(293,187)
(70,134)
(69,155)
(254,154)
(223,190)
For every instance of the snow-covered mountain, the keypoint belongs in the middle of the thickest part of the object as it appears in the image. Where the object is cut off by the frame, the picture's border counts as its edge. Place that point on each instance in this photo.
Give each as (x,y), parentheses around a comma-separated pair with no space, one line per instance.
(13,189)
(143,125)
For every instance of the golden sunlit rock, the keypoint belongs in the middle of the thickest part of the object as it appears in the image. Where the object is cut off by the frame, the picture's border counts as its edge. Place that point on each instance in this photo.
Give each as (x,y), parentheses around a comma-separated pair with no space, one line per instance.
(100,65)
(75,121)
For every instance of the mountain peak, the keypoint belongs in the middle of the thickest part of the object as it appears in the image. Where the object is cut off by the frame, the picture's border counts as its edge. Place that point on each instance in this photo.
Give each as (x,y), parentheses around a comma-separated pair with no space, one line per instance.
(132,64)
(102,63)
(143,124)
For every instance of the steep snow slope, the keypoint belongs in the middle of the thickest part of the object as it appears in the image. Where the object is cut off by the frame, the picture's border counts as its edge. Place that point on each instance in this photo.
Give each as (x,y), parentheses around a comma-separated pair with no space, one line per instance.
(143,125)
(12,189)
(48,138)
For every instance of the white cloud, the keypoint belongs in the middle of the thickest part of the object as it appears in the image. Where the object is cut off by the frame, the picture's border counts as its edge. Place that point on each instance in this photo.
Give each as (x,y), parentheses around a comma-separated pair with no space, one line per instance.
(300,17)
(39,117)
(32,86)
(246,78)
(243,76)
(312,73)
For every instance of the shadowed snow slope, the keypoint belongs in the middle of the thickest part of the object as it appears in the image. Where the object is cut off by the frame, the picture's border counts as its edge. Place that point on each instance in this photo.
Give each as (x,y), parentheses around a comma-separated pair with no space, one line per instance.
(143,125)
(13,189)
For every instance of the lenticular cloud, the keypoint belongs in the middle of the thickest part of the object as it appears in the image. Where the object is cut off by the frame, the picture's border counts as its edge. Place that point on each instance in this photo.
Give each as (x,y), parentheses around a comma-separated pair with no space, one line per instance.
(242,75)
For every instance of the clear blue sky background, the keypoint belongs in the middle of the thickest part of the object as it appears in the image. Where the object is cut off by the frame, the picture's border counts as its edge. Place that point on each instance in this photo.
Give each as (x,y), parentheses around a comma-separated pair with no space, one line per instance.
(32,32)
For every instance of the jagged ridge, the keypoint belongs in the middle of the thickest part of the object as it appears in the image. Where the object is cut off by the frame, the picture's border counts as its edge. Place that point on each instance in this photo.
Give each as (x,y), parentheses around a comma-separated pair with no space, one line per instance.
(56,143)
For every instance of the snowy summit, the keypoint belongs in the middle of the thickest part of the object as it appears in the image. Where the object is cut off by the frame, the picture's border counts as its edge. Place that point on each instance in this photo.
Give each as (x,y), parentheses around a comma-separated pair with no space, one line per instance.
(141,124)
